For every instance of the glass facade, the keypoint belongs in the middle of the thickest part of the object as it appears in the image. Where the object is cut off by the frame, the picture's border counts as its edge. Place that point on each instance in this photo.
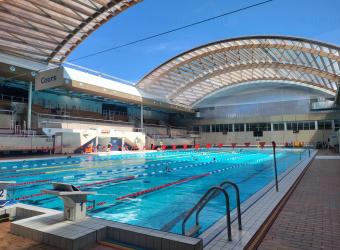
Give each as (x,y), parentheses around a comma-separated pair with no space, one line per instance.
(323,125)
(336,125)
(277,126)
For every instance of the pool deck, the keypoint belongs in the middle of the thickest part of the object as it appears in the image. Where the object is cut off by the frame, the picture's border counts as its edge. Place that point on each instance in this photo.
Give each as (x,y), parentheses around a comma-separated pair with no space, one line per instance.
(256,214)
(311,217)
(13,242)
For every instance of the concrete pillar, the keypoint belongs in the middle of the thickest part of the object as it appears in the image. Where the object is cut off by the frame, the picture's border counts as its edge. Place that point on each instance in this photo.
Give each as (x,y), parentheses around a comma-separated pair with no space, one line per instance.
(141,116)
(29,106)
(316,125)
(271,126)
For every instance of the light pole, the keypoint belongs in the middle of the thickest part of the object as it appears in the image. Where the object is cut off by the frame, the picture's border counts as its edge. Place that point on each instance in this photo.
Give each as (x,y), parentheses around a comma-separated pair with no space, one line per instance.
(275,167)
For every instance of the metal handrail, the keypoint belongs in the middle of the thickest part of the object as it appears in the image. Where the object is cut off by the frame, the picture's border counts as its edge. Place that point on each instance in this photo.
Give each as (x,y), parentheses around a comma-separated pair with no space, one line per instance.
(200,206)
(70,118)
(238,202)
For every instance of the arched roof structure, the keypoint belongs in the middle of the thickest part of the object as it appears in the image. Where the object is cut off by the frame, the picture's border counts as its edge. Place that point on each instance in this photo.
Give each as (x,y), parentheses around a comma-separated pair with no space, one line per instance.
(47,31)
(189,77)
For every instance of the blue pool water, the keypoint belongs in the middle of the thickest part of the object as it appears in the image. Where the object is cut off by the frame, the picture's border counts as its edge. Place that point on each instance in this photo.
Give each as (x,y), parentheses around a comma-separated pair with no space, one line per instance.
(186,174)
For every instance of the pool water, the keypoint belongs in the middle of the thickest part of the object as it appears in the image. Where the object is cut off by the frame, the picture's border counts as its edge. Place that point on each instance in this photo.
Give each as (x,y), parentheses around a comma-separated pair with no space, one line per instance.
(153,190)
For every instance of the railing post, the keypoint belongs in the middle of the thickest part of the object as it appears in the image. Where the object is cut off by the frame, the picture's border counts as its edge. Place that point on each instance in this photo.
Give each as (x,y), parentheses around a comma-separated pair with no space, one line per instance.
(275,166)
(199,206)
(238,202)
(29,106)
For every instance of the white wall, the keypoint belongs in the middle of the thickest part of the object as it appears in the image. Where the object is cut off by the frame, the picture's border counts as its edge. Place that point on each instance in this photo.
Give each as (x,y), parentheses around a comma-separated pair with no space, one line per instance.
(12,143)
(5,120)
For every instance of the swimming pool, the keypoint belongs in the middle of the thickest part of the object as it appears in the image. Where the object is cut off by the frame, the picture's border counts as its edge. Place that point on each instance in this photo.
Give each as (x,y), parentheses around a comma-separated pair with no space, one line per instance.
(154,189)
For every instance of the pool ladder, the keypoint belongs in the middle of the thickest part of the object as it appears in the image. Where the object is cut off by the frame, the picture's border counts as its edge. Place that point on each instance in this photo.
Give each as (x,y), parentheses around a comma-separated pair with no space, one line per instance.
(208,196)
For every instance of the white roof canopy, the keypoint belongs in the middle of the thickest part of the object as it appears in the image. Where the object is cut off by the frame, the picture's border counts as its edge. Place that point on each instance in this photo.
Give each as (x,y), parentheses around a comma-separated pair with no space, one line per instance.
(189,77)
(47,31)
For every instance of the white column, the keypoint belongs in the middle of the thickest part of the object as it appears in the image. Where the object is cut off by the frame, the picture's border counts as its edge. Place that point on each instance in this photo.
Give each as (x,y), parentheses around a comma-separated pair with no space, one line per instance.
(141,115)
(29,106)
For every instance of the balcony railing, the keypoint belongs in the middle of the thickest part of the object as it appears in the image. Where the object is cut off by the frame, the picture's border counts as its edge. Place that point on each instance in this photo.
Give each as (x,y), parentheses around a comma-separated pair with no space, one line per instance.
(47,118)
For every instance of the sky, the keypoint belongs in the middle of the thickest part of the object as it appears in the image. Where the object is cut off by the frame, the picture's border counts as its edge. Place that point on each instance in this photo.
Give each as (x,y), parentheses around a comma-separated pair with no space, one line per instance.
(313,19)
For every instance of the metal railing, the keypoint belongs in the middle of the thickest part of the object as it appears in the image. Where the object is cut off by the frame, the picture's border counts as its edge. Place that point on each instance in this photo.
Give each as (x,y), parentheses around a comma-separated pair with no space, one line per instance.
(11,98)
(66,118)
(238,201)
(208,196)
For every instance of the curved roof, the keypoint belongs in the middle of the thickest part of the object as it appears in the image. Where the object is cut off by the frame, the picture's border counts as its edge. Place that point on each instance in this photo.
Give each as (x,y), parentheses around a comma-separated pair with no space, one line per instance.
(48,30)
(190,76)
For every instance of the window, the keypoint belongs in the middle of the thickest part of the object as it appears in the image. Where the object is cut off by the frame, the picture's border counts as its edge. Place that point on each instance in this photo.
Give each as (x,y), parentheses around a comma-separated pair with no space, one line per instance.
(258,126)
(227,127)
(278,126)
(295,126)
(216,128)
(195,128)
(305,126)
(213,128)
(337,125)
(328,124)
(251,126)
(324,125)
(263,127)
(239,127)
(289,126)
(292,126)
(206,128)
(308,125)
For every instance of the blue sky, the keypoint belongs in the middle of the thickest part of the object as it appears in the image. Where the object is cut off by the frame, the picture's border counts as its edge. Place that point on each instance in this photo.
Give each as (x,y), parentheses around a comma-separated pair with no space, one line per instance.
(314,19)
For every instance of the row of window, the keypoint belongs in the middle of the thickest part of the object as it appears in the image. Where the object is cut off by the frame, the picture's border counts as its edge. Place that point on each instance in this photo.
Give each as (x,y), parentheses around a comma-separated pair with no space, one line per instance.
(280,126)
(337,124)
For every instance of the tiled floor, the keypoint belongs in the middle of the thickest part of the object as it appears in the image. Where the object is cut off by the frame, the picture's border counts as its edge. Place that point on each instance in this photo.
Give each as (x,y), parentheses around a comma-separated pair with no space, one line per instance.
(311,217)
(10,241)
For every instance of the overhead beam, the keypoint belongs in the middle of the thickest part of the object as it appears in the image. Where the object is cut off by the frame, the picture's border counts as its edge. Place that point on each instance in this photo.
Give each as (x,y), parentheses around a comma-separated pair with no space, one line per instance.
(209,49)
(229,69)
